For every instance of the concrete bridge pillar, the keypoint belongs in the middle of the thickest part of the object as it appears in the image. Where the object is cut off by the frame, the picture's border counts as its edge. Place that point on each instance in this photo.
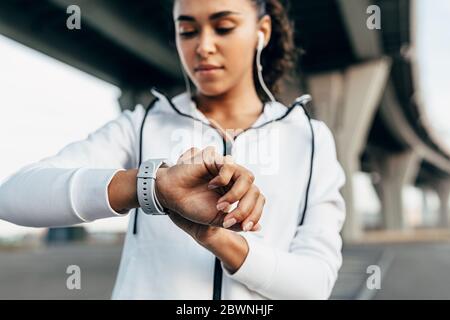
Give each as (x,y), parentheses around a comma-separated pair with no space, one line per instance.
(396,172)
(442,188)
(346,100)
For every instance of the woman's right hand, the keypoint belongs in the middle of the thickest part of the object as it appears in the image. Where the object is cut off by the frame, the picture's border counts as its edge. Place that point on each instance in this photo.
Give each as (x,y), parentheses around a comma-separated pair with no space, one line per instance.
(202,186)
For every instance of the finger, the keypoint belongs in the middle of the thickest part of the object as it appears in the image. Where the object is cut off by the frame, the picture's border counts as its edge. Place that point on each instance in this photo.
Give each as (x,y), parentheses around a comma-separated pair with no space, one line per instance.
(243,181)
(257,228)
(225,207)
(225,160)
(226,172)
(210,157)
(188,155)
(252,220)
(244,208)
(237,228)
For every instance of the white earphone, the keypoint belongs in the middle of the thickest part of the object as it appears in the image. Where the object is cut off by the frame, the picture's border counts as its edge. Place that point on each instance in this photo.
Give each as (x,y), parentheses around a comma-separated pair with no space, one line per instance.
(260,48)
(260,40)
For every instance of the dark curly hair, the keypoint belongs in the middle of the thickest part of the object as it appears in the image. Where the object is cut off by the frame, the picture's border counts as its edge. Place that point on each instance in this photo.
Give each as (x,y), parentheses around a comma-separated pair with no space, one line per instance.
(279,58)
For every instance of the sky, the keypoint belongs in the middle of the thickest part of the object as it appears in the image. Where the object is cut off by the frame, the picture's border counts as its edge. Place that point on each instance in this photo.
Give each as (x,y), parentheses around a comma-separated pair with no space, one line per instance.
(45,104)
(433,54)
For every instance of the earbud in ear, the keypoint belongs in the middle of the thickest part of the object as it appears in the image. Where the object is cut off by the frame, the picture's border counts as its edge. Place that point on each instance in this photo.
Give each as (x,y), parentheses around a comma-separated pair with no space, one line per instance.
(260,40)
(259,66)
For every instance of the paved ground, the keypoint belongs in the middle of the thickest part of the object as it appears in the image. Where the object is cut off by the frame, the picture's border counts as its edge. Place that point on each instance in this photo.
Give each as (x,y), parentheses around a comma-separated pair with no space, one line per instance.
(408,270)
(353,275)
(418,271)
(41,273)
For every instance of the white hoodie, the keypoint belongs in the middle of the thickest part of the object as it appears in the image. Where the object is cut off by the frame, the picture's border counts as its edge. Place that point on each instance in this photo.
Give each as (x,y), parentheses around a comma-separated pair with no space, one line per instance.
(286,260)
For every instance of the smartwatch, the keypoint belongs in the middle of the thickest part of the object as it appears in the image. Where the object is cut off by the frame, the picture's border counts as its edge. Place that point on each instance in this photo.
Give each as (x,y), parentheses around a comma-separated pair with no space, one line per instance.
(146,181)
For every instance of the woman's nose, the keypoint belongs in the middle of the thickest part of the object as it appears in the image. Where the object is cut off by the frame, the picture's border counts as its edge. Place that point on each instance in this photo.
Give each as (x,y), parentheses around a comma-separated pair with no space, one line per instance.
(206,45)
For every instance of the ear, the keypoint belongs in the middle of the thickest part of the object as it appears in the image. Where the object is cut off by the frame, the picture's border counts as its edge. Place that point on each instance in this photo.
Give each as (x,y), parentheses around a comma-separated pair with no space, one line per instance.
(265,26)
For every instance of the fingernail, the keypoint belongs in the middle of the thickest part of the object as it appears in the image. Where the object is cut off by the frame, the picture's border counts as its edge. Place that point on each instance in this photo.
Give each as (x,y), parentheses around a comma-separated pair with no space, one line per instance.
(212,186)
(248,226)
(221,206)
(229,223)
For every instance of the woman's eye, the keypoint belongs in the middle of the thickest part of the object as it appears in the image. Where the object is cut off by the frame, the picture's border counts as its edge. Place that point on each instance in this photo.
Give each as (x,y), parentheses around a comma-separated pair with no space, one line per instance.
(187,34)
(224,30)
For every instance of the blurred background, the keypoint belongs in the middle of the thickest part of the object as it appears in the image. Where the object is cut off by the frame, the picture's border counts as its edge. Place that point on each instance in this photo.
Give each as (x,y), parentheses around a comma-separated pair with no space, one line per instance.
(383,92)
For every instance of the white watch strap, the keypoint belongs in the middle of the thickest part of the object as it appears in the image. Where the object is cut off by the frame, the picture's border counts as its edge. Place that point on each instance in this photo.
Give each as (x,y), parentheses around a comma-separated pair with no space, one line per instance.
(146,179)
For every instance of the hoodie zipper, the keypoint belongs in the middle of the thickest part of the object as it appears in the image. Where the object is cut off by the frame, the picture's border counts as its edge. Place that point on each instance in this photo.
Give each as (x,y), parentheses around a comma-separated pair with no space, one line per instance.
(218,272)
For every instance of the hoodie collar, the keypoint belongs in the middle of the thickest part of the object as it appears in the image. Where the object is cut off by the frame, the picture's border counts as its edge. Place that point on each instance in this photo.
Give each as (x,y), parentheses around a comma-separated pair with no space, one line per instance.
(184,105)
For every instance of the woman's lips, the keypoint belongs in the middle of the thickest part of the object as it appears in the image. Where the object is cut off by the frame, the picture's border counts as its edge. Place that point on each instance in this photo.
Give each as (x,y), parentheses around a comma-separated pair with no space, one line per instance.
(208,70)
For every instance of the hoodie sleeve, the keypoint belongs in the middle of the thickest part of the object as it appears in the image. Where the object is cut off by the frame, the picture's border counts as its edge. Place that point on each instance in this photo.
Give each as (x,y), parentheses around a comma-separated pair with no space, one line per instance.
(309,268)
(71,187)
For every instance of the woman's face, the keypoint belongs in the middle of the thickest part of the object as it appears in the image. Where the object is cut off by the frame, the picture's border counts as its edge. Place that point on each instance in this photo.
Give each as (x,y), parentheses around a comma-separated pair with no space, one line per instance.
(216,41)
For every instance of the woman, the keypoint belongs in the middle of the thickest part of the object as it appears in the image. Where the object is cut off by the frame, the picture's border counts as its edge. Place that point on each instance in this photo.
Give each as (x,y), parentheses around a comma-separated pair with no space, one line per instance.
(246,153)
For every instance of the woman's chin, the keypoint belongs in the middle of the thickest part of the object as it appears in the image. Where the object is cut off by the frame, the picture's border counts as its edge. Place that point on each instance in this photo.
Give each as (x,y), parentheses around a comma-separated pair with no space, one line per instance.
(211,90)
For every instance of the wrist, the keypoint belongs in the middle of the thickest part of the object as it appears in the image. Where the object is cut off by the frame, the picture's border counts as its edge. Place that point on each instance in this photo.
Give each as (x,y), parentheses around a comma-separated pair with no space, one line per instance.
(160,182)
(131,185)
(230,247)
(122,191)
(212,238)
